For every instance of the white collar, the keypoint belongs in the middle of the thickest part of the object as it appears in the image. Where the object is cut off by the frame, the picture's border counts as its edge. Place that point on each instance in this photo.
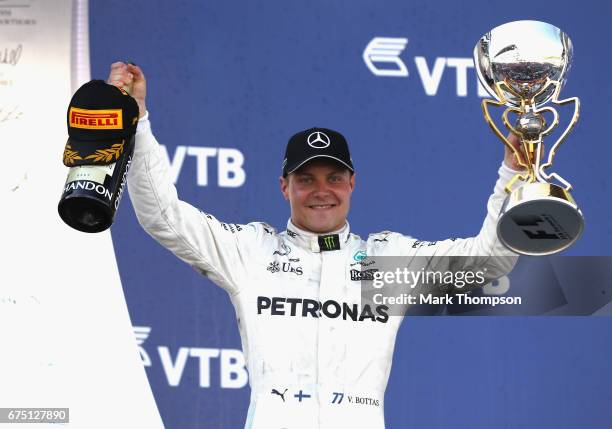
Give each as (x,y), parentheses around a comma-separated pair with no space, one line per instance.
(311,240)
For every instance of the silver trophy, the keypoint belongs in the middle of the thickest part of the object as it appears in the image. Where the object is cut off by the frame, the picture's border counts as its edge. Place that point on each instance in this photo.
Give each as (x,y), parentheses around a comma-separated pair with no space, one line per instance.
(523,65)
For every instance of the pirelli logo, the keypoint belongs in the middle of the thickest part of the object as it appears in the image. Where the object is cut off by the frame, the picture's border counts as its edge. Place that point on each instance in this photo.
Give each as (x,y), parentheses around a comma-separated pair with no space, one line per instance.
(96,119)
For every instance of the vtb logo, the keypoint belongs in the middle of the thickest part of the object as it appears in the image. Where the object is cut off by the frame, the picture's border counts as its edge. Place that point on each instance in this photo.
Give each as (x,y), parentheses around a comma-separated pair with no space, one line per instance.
(386,50)
(142,333)
(96,119)
(382,57)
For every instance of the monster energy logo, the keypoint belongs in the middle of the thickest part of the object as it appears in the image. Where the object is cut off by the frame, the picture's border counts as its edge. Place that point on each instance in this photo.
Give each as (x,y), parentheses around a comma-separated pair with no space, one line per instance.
(329,242)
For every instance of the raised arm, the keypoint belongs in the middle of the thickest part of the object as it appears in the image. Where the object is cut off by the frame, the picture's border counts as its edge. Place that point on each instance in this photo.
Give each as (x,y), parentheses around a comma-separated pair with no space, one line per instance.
(215,249)
(483,250)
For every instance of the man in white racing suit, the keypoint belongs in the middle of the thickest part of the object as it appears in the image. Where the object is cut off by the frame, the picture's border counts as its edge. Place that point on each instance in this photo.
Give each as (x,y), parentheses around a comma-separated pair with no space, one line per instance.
(316,357)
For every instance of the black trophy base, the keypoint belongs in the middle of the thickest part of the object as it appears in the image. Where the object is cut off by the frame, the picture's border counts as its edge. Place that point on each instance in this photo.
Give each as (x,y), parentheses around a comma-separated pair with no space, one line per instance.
(85,214)
(539,219)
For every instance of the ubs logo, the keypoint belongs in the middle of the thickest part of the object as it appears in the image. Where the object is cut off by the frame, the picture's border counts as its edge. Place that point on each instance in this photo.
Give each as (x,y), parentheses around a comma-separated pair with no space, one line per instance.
(285,267)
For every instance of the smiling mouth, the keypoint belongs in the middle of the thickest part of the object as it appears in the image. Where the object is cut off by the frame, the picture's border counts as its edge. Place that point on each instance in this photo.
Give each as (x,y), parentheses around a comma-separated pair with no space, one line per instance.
(321,206)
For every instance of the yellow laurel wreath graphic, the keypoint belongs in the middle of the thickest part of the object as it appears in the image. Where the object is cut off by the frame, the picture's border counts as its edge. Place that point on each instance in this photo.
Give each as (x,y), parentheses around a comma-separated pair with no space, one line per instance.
(71,155)
(107,155)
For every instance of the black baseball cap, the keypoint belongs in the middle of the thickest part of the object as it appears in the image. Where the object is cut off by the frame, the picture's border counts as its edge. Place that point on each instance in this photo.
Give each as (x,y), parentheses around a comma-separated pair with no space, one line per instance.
(316,143)
(102,121)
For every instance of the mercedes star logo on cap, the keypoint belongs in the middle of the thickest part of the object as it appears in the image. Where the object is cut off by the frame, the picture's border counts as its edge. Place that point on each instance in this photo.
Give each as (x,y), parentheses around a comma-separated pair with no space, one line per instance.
(318,140)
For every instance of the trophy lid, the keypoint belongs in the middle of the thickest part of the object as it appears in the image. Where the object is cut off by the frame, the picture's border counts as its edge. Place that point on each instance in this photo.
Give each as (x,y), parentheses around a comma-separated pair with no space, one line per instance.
(524,55)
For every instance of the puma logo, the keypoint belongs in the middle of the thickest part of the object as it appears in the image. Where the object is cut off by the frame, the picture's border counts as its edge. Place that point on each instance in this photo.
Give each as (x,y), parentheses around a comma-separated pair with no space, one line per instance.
(282,395)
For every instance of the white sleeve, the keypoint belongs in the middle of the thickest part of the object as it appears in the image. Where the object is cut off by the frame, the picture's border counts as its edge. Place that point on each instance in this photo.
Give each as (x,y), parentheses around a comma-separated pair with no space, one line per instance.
(483,250)
(215,249)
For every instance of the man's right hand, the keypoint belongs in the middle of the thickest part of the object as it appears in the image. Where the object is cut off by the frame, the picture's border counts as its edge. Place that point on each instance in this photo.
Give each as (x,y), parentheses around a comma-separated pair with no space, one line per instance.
(132,78)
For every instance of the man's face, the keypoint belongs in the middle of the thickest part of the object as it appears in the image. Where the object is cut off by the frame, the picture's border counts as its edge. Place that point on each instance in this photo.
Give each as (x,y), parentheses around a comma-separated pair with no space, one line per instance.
(319,193)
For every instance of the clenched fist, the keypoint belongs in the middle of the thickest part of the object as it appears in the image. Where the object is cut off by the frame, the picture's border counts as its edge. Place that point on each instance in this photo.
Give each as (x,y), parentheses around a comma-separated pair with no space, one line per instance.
(130,76)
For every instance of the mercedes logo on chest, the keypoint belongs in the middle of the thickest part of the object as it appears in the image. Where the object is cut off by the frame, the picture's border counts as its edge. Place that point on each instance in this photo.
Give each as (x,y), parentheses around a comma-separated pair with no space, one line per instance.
(318,140)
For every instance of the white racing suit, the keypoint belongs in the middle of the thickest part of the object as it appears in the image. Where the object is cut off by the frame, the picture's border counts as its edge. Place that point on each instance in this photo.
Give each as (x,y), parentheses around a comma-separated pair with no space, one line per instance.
(315,358)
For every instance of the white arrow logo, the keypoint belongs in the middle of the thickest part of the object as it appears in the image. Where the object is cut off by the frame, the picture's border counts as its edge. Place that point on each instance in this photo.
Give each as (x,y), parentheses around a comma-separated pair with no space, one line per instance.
(142,333)
(382,50)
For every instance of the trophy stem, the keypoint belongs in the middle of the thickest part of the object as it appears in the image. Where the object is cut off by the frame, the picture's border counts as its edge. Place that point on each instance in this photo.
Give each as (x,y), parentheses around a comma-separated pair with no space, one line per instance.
(531,128)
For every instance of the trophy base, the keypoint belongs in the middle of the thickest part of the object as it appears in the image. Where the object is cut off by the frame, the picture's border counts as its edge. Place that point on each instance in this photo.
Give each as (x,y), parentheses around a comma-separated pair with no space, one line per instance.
(539,219)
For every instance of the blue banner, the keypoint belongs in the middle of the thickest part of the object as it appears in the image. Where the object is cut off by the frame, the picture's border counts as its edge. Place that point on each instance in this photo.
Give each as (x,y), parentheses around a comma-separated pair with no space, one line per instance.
(230,82)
